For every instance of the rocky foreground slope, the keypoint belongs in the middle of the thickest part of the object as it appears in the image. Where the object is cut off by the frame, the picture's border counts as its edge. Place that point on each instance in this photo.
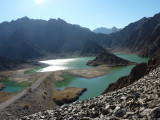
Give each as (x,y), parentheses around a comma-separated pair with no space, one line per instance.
(141,100)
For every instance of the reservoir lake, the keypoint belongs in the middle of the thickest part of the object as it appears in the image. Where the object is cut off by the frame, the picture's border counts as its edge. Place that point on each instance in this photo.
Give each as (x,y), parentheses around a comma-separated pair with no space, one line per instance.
(94,86)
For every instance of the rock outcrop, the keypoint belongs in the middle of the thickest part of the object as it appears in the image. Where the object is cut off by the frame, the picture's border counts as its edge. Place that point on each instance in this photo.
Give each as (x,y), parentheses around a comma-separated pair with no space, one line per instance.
(137,72)
(141,100)
(106,58)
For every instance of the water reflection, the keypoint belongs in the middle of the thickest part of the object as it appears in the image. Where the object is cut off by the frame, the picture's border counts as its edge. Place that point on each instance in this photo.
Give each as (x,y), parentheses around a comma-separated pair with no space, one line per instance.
(63,64)
(57,64)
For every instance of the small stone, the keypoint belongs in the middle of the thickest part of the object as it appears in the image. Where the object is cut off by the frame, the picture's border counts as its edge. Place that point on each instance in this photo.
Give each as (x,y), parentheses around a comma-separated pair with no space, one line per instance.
(104,111)
(155,112)
(129,114)
(94,114)
(120,113)
(107,107)
(145,112)
(137,95)
(112,107)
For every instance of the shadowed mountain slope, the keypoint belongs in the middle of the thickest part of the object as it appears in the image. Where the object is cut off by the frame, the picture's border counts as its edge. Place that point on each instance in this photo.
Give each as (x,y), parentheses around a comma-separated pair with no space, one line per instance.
(27,38)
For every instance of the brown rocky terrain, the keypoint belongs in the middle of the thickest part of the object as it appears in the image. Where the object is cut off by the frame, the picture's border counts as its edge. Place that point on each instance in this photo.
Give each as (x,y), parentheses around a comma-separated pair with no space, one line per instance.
(137,72)
(108,59)
(68,95)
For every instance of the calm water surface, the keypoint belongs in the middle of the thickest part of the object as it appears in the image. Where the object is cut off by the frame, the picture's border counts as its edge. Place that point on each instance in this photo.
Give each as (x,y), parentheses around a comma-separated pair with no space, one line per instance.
(97,85)
(12,86)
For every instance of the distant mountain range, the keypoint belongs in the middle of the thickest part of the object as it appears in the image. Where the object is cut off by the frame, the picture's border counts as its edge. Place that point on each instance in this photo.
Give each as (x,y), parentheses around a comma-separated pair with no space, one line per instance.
(28,38)
(106,30)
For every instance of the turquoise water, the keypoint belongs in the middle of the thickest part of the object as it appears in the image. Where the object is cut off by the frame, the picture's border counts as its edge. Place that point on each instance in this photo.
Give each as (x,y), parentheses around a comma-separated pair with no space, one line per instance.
(97,85)
(94,86)
(132,57)
(12,86)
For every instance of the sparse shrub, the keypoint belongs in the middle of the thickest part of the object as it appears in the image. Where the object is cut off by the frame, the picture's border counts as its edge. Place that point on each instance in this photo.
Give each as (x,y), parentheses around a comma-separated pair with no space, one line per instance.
(29,89)
(44,96)
(45,81)
(30,84)
(45,92)
(26,106)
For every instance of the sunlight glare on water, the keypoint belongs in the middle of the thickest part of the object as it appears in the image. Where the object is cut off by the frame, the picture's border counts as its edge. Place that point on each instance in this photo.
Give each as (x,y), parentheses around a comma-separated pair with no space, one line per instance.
(57,64)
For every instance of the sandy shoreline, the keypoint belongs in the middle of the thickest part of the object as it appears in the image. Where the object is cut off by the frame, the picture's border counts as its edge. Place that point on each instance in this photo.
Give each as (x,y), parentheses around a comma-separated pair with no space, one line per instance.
(85,73)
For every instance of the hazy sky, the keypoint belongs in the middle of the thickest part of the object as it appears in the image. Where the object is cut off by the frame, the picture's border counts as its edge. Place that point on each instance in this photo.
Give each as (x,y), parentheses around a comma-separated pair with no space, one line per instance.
(87,13)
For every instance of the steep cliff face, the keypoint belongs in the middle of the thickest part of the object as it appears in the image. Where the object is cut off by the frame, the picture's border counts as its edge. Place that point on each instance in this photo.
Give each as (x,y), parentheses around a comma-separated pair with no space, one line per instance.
(146,39)
(106,58)
(137,72)
(151,45)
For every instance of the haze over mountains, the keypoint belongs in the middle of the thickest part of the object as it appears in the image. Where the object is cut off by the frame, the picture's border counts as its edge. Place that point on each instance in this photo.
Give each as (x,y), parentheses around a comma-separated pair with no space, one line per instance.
(106,30)
(28,38)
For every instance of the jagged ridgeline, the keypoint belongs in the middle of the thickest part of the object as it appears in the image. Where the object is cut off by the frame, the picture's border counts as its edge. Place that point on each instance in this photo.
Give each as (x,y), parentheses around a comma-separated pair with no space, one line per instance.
(27,38)
(36,38)
(141,37)
(106,30)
